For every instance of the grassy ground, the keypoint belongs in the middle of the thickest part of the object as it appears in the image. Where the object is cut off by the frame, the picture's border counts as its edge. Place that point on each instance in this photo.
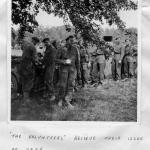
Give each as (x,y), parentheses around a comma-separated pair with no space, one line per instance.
(114,101)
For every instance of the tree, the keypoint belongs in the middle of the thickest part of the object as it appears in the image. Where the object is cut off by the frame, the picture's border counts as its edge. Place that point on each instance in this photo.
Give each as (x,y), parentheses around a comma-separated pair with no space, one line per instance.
(131,33)
(81,13)
(13,37)
(128,33)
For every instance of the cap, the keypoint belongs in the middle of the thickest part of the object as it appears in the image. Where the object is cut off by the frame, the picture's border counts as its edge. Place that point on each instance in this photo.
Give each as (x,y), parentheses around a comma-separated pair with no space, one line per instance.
(45,39)
(71,36)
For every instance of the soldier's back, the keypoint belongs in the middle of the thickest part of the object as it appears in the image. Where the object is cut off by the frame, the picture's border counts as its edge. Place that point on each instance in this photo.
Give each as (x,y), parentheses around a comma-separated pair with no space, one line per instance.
(28,50)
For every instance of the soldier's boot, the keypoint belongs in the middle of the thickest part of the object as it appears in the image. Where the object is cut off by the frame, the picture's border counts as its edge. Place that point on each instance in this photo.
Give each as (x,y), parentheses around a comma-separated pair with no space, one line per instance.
(68,99)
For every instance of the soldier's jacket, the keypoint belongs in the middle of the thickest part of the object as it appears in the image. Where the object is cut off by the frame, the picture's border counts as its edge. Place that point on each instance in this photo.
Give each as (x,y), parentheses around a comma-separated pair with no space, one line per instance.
(99,51)
(71,53)
(118,52)
(128,50)
(50,56)
(93,62)
(27,71)
(129,54)
(84,55)
(29,50)
(100,58)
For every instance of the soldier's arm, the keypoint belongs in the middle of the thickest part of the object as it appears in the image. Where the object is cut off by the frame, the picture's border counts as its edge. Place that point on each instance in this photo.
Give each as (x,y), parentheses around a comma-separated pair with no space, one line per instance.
(52,56)
(34,53)
(91,66)
(77,63)
(58,57)
(88,55)
(121,53)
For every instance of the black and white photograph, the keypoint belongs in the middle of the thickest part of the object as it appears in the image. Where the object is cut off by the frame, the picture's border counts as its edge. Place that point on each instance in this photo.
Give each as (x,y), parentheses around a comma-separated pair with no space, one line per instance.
(74,60)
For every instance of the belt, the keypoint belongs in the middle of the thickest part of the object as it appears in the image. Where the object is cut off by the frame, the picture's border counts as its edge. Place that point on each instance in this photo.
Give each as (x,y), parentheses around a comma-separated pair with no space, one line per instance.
(100,54)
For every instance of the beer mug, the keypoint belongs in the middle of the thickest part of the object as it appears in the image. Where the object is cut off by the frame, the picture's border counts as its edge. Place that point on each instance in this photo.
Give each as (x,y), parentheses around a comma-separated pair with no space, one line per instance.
(68,61)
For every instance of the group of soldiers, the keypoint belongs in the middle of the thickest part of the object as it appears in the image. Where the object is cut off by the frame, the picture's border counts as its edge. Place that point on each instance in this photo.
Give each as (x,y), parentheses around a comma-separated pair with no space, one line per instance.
(68,63)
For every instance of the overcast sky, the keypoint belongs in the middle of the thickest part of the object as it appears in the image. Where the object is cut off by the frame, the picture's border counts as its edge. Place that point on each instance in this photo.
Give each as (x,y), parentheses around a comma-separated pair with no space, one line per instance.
(129,17)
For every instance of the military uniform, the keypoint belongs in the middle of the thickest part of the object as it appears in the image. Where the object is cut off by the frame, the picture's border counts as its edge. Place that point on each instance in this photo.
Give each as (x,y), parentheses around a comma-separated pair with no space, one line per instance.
(101,62)
(94,71)
(128,63)
(27,71)
(68,72)
(49,62)
(116,62)
(84,59)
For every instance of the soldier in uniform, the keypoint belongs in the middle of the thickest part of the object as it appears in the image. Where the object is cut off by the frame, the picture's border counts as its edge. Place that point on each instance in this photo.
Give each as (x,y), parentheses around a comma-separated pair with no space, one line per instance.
(130,62)
(101,62)
(116,61)
(27,70)
(124,64)
(84,60)
(49,62)
(127,69)
(93,70)
(134,55)
(57,45)
(69,60)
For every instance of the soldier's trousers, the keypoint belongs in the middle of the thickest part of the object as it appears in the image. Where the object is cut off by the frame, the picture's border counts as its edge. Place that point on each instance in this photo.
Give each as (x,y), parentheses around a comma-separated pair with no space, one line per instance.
(127,67)
(49,76)
(84,73)
(116,69)
(130,66)
(124,67)
(94,72)
(27,74)
(101,67)
(97,74)
(67,82)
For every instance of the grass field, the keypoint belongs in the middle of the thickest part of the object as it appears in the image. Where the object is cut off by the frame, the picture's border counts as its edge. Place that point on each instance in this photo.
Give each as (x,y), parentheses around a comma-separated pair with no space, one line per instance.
(114,101)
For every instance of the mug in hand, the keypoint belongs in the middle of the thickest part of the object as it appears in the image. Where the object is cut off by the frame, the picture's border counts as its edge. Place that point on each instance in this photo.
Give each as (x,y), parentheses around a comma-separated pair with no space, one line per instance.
(68,61)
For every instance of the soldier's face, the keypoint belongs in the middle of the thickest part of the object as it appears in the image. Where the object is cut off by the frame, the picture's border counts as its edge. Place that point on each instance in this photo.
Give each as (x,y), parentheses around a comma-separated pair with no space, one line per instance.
(58,44)
(127,48)
(40,48)
(81,42)
(46,43)
(128,42)
(71,40)
(34,42)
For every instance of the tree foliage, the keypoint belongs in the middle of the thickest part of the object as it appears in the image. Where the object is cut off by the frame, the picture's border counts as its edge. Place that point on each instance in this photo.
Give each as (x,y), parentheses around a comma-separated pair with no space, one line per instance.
(81,13)
(54,33)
